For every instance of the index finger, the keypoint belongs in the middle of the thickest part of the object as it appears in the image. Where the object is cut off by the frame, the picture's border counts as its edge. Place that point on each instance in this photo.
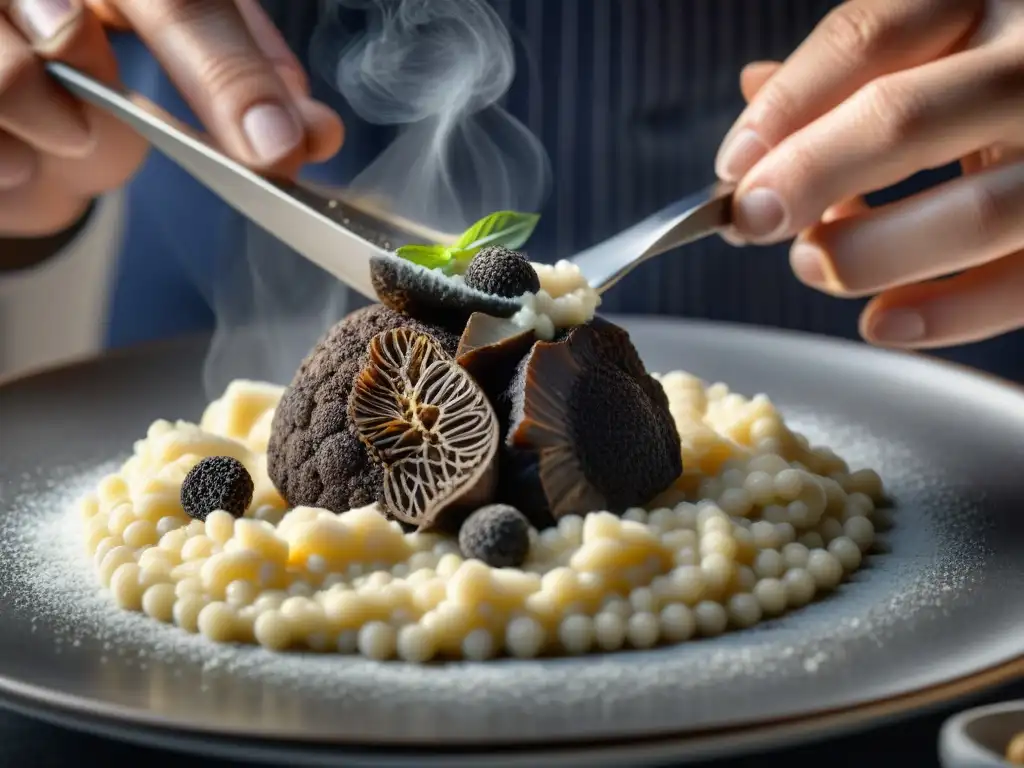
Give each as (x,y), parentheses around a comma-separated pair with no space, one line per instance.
(856,43)
(209,52)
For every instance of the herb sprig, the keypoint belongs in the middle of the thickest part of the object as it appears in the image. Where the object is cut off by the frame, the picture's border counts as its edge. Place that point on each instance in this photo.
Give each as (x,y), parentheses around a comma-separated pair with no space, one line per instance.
(510,229)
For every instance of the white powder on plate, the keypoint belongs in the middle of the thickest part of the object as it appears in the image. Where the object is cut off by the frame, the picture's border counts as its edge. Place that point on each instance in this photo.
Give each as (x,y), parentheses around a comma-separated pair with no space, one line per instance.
(46,572)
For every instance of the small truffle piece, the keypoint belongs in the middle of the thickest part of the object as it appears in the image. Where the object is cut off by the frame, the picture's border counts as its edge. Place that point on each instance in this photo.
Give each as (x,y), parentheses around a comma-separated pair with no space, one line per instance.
(216,482)
(593,429)
(432,296)
(502,272)
(314,456)
(498,535)
(428,425)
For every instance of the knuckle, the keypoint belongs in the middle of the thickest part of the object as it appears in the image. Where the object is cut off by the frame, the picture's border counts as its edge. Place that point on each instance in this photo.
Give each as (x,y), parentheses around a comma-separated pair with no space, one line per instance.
(896,113)
(175,13)
(803,168)
(224,68)
(853,32)
(776,102)
(16,62)
(233,74)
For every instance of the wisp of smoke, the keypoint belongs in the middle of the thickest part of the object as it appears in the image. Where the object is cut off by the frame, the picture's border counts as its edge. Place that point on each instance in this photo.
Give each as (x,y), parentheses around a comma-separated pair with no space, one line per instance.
(435,70)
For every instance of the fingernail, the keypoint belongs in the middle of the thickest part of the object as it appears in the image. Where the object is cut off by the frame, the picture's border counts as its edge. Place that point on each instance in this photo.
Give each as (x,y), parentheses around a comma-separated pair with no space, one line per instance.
(899,326)
(732,237)
(47,18)
(760,213)
(739,154)
(272,131)
(808,264)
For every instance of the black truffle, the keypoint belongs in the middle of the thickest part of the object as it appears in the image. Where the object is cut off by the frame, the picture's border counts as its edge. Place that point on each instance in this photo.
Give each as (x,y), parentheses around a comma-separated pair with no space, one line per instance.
(498,535)
(429,425)
(216,482)
(501,272)
(593,429)
(430,295)
(490,350)
(314,456)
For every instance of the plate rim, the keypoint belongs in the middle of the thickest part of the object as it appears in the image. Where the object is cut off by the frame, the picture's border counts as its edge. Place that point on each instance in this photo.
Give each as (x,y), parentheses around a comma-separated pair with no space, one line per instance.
(136,727)
(82,713)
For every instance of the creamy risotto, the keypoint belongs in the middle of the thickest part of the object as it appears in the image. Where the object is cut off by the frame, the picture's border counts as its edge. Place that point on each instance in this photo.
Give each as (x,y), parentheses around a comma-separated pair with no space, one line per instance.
(759,523)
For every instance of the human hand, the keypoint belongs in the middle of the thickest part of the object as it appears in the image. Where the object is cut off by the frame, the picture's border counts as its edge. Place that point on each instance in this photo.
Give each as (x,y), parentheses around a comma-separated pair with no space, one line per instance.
(231,65)
(879,91)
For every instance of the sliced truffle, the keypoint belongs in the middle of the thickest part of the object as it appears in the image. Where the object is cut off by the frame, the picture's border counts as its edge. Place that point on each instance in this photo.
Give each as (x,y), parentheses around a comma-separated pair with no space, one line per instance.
(432,296)
(216,482)
(428,425)
(498,535)
(502,272)
(592,429)
(314,456)
(491,349)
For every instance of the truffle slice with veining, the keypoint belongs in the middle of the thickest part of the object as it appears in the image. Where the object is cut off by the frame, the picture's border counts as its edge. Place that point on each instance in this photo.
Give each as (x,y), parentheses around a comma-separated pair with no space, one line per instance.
(592,429)
(314,456)
(431,295)
(428,425)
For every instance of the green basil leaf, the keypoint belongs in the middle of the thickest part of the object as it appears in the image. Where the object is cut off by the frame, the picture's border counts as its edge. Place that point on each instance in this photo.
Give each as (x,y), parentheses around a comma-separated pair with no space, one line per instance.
(429,256)
(508,228)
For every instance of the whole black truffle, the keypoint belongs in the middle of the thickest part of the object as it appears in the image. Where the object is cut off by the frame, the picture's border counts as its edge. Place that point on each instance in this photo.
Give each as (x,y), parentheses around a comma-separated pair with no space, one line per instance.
(498,535)
(314,456)
(501,272)
(216,482)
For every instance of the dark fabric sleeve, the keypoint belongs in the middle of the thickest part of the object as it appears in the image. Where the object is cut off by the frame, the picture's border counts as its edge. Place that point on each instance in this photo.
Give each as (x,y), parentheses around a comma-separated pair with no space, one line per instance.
(21,253)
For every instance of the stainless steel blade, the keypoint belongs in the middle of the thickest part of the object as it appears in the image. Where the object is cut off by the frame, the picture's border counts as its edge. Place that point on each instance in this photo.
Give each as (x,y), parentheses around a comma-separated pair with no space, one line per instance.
(297,215)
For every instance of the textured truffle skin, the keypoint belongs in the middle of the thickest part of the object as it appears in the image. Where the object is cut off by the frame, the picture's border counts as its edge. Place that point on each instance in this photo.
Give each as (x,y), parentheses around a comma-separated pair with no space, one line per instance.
(613,414)
(498,535)
(216,482)
(501,272)
(431,296)
(314,457)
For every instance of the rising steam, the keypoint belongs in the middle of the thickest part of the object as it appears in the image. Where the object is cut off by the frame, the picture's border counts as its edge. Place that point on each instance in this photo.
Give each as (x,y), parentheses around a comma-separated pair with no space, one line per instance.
(435,69)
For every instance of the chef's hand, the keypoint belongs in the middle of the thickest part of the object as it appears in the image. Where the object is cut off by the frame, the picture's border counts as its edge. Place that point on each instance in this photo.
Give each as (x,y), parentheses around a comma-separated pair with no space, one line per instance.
(880,90)
(231,65)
